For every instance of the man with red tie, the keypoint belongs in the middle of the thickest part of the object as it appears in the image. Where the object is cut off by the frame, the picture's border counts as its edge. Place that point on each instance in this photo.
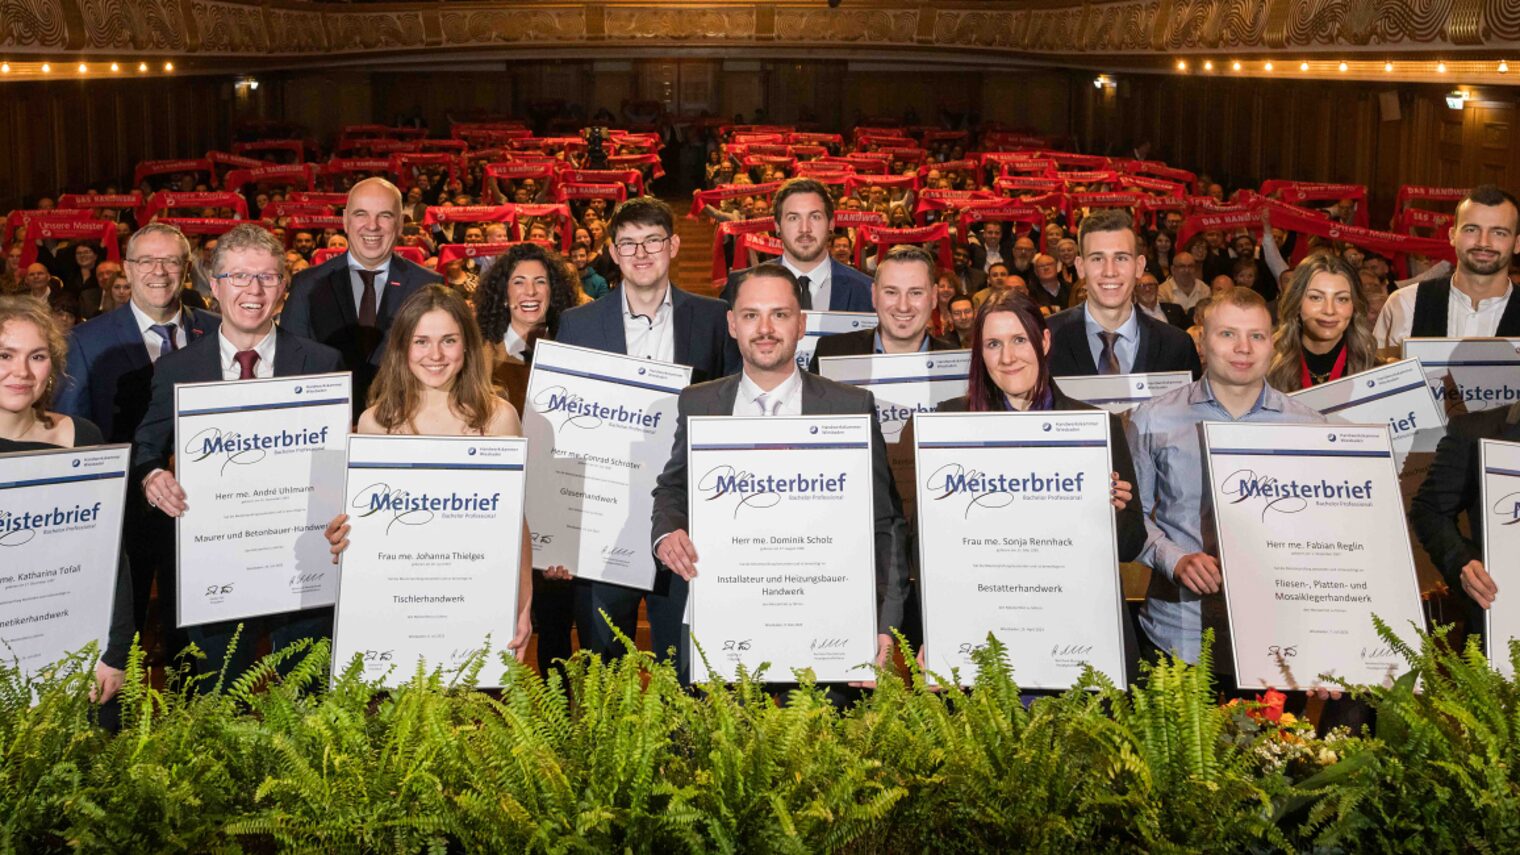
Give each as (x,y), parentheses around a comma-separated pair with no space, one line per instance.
(347,301)
(248,278)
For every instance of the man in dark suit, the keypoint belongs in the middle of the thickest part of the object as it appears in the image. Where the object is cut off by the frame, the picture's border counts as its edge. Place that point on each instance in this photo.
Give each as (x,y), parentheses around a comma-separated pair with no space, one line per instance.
(248,278)
(1451,489)
(1147,300)
(767,323)
(1105,335)
(804,213)
(646,316)
(108,380)
(904,296)
(348,301)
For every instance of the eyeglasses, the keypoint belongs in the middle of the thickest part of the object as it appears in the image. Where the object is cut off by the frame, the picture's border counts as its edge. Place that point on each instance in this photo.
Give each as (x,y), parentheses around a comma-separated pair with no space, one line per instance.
(650,245)
(243,280)
(148,263)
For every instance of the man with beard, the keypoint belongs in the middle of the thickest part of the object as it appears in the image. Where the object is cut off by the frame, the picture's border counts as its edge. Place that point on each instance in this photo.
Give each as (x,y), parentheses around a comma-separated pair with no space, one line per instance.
(1474,301)
(766,322)
(904,296)
(804,214)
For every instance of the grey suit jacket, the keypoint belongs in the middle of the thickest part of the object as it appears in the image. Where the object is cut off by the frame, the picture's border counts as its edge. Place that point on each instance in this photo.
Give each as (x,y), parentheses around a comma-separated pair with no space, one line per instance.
(819,397)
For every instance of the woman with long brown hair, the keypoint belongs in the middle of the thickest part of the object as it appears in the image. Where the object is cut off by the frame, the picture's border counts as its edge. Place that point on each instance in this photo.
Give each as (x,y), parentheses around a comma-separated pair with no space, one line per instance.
(1323,331)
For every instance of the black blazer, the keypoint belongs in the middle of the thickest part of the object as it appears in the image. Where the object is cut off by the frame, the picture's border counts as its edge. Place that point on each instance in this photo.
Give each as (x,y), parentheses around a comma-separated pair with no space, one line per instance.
(1162,347)
(1451,489)
(201,362)
(1175,315)
(701,331)
(863,343)
(819,397)
(1130,522)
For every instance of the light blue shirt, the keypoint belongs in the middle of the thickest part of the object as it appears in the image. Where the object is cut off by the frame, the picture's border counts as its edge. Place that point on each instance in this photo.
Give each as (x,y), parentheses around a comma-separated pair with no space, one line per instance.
(1167,444)
(923,346)
(1125,348)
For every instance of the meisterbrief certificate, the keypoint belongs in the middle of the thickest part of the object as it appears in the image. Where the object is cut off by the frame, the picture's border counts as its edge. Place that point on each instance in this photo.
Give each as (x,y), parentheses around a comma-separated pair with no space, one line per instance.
(1395,395)
(1120,393)
(261,463)
(1500,462)
(822,323)
(435,554)
(60,544)
(1469,374)
(599,428)
(905,384)
(1312,545)
(781,517)
(1016,539)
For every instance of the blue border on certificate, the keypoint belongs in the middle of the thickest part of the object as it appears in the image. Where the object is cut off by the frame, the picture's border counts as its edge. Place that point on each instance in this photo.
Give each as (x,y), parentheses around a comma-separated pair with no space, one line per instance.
(284,405)
(1386,393)
(503,467)
(1297,452)
(63,479)
(555,369)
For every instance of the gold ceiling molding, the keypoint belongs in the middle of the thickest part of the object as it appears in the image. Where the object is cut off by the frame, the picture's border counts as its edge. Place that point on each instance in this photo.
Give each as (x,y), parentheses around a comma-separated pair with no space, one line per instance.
(1053,29)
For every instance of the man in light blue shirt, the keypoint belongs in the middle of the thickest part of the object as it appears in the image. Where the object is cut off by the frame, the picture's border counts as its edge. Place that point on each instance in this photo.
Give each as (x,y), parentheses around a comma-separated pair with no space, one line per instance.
(1185,595)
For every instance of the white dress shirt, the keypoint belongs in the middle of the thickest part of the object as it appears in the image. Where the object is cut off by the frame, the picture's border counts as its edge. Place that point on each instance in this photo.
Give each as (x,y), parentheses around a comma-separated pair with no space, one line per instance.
(1396,321)
(382,276)
(1171,292)
(784,400)
(262,370)
(515,344)
(152,340)
(820,281)
(650,337)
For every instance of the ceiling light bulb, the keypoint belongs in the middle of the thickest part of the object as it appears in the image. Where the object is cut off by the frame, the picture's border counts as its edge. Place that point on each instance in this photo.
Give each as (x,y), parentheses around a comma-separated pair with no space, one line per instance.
(1182,65)
(1503,67)
(5,68)
(1303,66)
(1387,66)
(46,68)
(1208,65)
(168,66)
(1235,65)
(83,68)
(1343,66)
(1268,66)
(142,66)
(115,67)
(1441,67)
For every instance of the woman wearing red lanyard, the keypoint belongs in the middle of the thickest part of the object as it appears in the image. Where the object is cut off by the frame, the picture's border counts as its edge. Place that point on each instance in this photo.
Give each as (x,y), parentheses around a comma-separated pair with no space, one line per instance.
(1323,332)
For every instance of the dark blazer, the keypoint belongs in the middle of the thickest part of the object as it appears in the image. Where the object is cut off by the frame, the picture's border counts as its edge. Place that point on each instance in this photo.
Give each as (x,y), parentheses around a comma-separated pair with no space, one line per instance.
(1175,315)
(1451,489)
(201,362)
(321,307)
(974,279)
(1130,522)
(819,397)
(849,289)
(863,343)
(1162,347)
(108,376)
(701,331)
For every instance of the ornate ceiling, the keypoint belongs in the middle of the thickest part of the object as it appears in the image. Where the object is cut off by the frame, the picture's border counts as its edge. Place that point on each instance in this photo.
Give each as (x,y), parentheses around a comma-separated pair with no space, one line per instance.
(227,34)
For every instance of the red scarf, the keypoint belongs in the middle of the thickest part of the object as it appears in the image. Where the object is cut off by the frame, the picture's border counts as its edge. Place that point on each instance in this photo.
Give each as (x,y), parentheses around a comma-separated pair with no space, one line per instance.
(1306,379)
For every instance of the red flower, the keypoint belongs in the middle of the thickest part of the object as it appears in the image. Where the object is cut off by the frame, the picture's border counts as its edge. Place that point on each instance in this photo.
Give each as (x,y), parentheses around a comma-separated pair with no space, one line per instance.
(1269,706)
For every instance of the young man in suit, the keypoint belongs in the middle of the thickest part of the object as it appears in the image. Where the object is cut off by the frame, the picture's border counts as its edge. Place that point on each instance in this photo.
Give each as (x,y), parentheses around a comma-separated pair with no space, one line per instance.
(347,302)
(903,294)
(108,380)
(804,213)
(248,279)
(1105,335)
(767,322)
(648,317)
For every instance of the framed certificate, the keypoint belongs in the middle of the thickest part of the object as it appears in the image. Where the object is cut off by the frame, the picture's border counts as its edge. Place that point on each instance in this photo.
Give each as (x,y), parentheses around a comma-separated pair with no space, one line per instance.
(823,323)
(1016,540)
(905,385)
(1120,393)
(1395,395)
(781,515)
(60,545)
(261,463)
(1469,374)
(599,428)
(1500,499)
(1312,544)
(435,553)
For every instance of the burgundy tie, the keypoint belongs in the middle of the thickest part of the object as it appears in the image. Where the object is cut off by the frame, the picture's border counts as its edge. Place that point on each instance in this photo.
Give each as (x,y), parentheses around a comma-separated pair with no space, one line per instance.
(367,301)
(246,359)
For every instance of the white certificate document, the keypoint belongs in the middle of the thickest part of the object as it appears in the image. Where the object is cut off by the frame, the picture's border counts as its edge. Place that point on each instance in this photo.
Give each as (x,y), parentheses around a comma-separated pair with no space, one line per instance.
(822,323)
(1500,465)
(1395,395)
(781,517)
(1120,393)
(261,463)
(1312,544)
(1016,539)
(434,557)
(1469,374)
(599,428)
(60,543)
(905,384)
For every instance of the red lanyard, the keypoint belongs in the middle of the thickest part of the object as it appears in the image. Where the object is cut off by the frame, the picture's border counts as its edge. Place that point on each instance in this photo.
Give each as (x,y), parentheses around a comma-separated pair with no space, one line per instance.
(1306,380)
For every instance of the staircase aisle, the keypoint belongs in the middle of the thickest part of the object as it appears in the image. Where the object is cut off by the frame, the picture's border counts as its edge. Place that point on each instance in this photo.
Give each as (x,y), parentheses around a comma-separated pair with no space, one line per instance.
(693,266)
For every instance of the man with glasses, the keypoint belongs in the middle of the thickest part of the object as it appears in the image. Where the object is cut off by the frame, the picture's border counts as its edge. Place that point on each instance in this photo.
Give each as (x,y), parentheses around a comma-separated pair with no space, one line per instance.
(648,317)
(108,380)
(248,279)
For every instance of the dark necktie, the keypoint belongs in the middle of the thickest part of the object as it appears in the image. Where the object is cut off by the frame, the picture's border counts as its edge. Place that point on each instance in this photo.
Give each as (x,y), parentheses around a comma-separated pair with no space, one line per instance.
(1108,360)
(806,295)
(246,359)
(165,332)
(367,301)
